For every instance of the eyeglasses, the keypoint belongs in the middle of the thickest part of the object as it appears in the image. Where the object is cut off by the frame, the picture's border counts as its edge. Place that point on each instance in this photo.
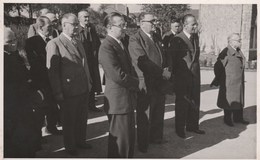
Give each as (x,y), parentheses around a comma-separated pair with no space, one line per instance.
(74,24)
(122,26)
(153,21)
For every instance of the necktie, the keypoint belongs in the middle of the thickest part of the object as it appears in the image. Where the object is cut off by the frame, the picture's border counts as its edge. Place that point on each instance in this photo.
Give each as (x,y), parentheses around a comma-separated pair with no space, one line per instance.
(87,33)
(121,44)
(192,38)
(47,39)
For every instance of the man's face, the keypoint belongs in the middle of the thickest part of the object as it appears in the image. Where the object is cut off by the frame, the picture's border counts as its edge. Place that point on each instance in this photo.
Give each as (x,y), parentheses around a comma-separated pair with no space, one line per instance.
(118,27)
(191,25)
(47,29)
(175,27)
(235,41)
(70,26)
(148,23)
(10,41)
(84,18)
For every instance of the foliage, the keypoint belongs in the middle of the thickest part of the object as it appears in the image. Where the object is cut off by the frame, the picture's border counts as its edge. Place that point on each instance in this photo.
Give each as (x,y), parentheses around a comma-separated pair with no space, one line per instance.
(165,12)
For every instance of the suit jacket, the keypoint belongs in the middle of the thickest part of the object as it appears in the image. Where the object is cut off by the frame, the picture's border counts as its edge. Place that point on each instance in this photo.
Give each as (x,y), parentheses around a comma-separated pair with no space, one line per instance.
(67,67)
(166,39)
(91,50)
(185,65)
(32,30)
(148,59)
(121,79)
(36,54)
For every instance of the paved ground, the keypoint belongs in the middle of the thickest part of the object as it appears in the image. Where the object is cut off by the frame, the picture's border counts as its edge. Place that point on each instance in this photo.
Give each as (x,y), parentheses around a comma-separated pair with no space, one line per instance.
(220,141)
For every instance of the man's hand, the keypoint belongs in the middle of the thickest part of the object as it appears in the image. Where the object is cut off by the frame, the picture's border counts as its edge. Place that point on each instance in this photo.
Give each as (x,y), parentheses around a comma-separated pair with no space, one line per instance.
(142,85)
(166,74)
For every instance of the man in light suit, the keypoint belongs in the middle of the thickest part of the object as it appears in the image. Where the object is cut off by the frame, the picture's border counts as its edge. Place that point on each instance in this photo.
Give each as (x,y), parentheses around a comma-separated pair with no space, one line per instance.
(33,27)
(121,87)
(148,60)
(71,82)
(184,50)
(90,40)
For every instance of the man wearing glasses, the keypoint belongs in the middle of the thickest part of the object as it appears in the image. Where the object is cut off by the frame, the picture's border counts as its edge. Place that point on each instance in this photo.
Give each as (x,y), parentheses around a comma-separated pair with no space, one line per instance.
(121,88)
(71,83)
(90,40)
(148,59)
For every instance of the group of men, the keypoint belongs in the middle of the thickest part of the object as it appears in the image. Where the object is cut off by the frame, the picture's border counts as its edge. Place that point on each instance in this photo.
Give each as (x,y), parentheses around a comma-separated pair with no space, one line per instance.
(139,73)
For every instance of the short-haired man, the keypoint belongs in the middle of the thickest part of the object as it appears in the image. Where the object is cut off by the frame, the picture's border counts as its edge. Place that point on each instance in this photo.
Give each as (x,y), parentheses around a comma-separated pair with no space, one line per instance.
(71,82)
(36,54)
(55,24)
(149,61)
(230,67)
(175,29)
(33,27)
(121,87)
(90,40)
(184,51)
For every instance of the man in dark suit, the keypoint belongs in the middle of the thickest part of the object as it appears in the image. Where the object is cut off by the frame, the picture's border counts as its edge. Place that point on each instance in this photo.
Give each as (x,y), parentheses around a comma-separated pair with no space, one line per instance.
(71,82)
(148,60)
(36,54)
(33,27)
(185,52)
(121,87)
(175,29)
(90,40)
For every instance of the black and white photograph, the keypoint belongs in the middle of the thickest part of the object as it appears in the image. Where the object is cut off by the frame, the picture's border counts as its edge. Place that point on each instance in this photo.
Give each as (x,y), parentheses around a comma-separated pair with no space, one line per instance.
(173,80)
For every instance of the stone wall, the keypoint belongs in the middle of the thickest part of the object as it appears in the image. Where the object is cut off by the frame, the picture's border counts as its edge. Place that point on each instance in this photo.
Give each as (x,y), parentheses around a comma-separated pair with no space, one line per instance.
(219,21)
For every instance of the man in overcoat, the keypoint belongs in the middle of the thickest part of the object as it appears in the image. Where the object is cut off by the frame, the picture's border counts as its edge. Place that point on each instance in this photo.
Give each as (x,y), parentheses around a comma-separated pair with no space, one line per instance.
(71,83)
(90,40)
(149,62)
(185,52)
(121,88)
(229,75)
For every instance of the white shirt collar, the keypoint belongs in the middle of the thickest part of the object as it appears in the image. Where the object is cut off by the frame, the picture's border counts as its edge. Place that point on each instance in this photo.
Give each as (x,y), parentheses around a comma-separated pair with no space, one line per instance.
(118,41)
(187,34)
(69,38)
(149,35)
(174,33)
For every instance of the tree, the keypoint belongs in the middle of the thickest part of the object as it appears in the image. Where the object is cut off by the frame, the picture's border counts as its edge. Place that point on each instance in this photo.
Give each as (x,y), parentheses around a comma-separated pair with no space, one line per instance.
(165,12)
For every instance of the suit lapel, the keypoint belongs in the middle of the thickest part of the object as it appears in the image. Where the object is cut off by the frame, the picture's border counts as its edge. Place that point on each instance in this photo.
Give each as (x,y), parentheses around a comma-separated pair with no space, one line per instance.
(189,44)
(72,49)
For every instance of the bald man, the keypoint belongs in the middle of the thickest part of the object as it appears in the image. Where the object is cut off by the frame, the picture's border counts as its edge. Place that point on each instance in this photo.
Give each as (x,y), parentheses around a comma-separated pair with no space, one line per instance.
(229,68)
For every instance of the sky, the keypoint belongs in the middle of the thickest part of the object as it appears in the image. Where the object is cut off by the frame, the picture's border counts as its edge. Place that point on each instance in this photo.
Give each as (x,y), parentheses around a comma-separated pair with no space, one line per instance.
(136,7)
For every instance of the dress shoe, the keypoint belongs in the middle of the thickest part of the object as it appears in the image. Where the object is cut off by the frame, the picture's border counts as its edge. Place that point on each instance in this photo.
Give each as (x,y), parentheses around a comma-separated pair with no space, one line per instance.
(95,109)
(242,122)
(229,123)
(85,146)
(182,135)
(198,131)
(54,131)
(72,152)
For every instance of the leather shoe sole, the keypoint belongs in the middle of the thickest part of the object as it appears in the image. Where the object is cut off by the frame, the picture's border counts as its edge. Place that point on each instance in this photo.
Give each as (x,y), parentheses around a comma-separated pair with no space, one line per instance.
(198,131)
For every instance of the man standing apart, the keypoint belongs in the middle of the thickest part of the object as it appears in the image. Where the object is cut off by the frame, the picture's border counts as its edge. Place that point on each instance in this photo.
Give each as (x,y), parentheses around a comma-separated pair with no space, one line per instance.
(90,40)
(229,71)
(148,60)
(120,91)
(71,82)
(185,52)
